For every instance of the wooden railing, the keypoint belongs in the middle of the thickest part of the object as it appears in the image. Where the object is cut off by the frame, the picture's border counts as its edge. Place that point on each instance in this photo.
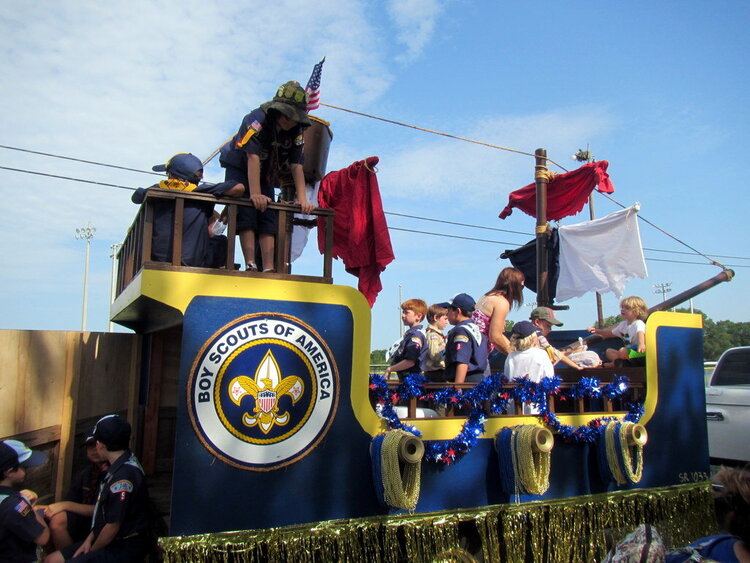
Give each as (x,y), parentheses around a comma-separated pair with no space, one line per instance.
(636,392)
(136,249)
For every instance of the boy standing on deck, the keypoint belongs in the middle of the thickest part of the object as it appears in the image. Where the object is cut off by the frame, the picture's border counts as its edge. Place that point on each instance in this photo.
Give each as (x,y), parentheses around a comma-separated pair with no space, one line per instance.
(465,350)
(22,529)
(411,350)
(267,145)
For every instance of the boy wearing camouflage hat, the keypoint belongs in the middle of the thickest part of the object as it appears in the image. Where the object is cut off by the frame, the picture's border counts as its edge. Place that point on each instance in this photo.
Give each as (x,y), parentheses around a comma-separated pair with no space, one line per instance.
(267,145)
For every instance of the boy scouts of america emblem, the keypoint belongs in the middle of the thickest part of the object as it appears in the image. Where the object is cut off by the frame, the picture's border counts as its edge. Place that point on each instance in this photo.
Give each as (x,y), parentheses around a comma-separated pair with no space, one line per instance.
(263,391)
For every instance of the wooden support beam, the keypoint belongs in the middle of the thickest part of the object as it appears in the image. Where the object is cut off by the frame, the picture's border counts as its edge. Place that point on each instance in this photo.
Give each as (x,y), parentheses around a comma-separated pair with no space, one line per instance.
(68,416)
(151,421)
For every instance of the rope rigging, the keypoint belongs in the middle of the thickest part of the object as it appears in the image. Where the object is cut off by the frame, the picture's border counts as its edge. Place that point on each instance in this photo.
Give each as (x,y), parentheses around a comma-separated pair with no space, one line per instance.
(711,261)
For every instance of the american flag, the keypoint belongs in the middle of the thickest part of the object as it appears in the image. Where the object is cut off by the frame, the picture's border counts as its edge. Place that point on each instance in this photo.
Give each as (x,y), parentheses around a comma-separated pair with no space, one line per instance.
(313,87)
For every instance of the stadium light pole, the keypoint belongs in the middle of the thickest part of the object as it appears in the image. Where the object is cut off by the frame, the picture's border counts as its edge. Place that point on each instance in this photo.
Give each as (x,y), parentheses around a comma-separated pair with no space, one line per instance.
(86,233)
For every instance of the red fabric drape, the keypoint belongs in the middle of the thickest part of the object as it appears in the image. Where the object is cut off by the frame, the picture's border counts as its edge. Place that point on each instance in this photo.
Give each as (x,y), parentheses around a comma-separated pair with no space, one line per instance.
(566,193)
(360,232)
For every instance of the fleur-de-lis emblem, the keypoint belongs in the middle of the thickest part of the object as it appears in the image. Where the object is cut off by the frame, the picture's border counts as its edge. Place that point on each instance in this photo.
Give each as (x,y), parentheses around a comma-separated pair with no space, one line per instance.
(266,388)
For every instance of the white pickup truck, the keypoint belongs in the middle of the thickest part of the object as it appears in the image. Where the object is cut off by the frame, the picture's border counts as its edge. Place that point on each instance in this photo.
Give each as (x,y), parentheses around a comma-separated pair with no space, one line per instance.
(728,407)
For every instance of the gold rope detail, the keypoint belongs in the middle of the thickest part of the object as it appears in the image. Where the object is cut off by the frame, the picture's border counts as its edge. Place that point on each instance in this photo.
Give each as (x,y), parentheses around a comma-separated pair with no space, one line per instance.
(615,432)
(633,475)
(531,468)
(544,174)
(401,487)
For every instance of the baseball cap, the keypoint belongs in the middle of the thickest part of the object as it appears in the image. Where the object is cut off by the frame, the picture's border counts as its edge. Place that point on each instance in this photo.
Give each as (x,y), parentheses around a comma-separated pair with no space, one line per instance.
(112,430)
(183,165)
(545,314)
(523,329)
(461,301)
(13,452)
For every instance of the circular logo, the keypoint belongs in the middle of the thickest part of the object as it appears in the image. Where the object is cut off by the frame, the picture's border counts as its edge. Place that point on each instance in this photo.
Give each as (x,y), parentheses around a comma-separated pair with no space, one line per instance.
(263,391)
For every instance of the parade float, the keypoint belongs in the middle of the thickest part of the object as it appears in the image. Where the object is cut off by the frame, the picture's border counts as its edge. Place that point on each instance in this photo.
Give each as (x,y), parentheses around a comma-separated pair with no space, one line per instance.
(286,447)
(266,437)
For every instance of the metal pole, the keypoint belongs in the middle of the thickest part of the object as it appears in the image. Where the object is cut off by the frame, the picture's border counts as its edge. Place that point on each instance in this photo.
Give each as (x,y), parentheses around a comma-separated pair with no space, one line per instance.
(86,233)
(113,286)
(540,177)
(400,300)
(588,158)
(663,288)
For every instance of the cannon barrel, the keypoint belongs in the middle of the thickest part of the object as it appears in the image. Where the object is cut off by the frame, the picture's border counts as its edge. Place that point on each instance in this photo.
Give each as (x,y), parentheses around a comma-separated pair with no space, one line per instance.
(724,276)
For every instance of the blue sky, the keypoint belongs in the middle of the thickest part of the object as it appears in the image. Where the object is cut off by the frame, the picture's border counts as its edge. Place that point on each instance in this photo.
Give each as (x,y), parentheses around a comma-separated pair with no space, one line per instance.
(657,89)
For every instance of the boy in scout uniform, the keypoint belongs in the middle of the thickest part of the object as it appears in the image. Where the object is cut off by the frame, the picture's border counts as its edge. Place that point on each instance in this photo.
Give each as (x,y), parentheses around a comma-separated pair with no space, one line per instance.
(465,351)
(267,145)
(22,529)
(121,528)
(409,356)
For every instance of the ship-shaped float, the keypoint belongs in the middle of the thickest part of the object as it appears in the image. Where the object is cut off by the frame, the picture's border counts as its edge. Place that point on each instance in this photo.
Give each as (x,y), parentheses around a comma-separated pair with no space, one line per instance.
(262,419)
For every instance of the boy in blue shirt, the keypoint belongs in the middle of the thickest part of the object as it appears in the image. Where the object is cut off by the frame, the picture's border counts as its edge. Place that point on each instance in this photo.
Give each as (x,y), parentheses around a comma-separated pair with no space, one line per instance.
(22,528)
(184,173)
(465,350)
(411,350)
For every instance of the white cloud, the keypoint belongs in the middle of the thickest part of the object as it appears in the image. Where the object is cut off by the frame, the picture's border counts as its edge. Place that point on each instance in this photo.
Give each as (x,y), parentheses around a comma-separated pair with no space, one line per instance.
(415,22)
(133,83)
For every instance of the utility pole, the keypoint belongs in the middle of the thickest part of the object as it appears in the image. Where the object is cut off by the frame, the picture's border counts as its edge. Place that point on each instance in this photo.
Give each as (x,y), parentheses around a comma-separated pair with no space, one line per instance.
(86,233)
(113,287)
(663,288)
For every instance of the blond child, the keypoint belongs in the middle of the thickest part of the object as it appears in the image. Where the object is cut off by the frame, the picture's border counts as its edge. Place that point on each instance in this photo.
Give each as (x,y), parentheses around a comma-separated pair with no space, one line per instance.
(527,359)
(434,361)
(408,357)
(632,330)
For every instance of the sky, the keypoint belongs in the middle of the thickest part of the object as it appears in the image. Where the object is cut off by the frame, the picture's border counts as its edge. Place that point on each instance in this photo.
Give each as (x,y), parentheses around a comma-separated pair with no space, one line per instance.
(655,88)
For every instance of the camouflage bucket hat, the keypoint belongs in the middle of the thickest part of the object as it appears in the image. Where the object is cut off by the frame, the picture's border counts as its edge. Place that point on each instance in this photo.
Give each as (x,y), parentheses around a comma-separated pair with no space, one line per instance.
(290,100)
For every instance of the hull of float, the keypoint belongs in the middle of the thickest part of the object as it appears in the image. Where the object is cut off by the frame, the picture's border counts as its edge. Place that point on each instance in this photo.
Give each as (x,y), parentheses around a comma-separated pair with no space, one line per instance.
(225,480)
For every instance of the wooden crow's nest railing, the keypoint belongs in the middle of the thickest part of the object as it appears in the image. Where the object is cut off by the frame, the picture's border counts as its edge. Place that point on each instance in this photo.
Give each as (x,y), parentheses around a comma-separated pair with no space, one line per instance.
(135,252)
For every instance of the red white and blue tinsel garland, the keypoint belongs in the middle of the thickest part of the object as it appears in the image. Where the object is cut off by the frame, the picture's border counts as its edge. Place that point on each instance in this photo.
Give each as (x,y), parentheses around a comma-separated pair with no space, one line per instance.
(493,390)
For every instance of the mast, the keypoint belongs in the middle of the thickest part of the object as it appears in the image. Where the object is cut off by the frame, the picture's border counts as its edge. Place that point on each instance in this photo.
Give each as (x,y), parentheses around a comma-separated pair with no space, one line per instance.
(540,177)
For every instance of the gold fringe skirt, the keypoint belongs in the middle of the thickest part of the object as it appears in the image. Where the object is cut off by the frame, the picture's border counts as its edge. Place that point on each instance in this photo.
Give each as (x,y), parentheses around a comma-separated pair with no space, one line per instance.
(571,529)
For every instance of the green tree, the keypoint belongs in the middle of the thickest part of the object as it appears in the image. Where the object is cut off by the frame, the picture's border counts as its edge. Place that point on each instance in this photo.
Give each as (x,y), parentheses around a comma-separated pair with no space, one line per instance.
(720,335)
(377,357)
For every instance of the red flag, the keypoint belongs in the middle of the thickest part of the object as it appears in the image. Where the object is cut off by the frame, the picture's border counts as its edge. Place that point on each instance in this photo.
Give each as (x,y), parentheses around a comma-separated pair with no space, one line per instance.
(566,193)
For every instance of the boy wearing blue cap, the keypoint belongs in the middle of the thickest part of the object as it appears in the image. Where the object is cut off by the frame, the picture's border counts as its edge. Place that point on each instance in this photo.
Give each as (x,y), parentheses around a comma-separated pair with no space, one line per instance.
(465,349)
(267,146)
(184,173)
(527,359)
(22,529)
